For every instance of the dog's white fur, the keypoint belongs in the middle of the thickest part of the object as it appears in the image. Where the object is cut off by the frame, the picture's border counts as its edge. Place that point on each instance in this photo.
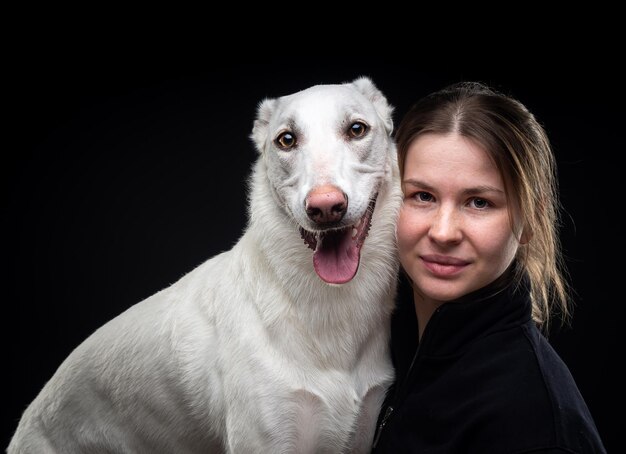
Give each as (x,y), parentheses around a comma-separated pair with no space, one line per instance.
(251,352)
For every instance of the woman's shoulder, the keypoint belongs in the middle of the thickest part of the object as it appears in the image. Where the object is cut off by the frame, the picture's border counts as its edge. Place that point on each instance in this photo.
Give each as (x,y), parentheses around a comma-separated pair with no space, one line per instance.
(522,360)
(529,393)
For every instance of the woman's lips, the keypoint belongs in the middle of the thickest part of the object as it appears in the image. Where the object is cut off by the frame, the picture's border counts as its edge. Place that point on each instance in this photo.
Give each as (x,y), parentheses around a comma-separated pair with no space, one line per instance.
(443,265)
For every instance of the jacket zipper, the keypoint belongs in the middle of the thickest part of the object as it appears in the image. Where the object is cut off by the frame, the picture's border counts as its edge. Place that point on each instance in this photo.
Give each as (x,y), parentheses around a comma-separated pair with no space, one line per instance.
(379,429)
(398,394)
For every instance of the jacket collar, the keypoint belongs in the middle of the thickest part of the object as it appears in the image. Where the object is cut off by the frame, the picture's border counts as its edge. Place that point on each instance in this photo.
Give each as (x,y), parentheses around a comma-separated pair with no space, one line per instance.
(501,305)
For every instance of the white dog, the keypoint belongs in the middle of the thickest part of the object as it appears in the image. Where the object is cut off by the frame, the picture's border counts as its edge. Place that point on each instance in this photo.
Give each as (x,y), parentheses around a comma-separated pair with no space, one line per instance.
(277,345)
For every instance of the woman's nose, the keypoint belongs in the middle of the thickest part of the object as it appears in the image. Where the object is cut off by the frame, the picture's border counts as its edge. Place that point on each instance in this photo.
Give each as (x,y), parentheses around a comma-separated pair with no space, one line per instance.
(446,226)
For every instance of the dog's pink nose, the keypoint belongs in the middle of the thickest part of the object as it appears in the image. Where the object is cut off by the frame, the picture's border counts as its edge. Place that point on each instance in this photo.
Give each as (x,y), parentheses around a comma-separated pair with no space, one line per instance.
(326,204)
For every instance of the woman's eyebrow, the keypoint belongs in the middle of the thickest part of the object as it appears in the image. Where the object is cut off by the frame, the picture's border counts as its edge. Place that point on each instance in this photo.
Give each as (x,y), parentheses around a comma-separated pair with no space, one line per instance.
(480,189)
(417,184)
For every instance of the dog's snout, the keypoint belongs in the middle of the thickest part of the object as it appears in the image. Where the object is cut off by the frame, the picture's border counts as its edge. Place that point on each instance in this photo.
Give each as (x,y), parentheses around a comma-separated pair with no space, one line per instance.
(326,204)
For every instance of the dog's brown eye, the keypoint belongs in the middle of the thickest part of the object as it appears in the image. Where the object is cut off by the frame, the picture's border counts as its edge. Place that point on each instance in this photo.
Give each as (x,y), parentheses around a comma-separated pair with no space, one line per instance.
(285,140)
(357,129)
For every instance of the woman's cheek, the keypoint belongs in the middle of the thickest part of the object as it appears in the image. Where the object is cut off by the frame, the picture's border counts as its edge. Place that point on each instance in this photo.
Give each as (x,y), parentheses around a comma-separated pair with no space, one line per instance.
(406,232)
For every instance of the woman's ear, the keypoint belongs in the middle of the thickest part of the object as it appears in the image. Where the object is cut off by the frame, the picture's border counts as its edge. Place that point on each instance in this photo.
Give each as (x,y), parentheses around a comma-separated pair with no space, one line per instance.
(526,236)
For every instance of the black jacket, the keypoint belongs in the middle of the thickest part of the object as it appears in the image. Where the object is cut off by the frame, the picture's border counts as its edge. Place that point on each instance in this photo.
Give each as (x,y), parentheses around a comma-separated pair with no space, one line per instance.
(483,380)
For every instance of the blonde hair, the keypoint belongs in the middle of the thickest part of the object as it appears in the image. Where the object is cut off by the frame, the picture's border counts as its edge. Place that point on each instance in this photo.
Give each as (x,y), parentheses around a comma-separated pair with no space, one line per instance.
(520,148)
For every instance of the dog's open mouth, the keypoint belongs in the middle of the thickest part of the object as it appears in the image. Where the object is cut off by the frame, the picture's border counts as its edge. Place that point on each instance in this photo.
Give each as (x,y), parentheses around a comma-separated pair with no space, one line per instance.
(338,252)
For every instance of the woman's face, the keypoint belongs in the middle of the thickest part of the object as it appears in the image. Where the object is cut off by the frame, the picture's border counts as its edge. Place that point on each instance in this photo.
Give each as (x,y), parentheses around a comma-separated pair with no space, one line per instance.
(454,230)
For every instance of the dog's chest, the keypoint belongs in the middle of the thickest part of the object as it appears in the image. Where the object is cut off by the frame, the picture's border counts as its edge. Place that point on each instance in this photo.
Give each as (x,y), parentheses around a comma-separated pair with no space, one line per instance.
(327,413)
(318,420)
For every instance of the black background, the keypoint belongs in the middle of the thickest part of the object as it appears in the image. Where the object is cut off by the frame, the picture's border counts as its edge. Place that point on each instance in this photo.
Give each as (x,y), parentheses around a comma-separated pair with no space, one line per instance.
(124,174)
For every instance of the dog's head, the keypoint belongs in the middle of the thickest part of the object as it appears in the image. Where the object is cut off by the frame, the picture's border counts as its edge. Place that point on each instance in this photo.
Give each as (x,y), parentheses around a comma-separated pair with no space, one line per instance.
(327,151)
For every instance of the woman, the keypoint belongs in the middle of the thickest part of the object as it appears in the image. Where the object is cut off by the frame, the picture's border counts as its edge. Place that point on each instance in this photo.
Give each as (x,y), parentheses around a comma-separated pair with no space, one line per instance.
(477,238)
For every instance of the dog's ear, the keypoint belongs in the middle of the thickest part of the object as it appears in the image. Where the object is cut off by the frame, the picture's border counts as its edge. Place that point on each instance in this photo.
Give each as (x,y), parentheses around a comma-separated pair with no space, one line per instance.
(367,88)
(265,109)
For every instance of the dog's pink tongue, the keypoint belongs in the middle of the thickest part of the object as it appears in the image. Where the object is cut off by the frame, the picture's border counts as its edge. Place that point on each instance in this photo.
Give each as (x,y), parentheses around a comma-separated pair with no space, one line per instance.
(336,258)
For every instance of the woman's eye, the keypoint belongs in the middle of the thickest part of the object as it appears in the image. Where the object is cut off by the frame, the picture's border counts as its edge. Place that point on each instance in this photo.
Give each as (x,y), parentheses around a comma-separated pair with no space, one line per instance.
(423,196)
(285,140)
(480,203)
(357,129)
